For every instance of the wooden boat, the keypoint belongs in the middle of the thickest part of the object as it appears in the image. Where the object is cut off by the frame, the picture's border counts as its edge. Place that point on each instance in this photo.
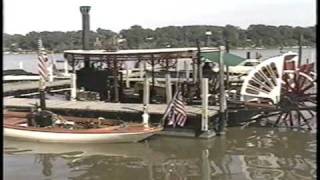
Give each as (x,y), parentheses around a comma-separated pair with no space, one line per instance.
(85,130)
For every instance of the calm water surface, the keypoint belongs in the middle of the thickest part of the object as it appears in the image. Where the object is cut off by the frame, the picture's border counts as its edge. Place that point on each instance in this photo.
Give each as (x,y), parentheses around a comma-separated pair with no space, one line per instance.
(250,153)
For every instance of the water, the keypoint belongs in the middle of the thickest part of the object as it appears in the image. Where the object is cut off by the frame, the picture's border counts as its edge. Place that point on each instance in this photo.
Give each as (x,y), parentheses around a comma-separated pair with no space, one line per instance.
(249,153)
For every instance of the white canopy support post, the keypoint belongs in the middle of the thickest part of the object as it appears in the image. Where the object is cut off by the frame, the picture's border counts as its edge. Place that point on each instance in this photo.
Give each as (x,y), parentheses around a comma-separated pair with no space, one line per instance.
(187,70)
(205,93)
(66,70)
(73,86)
(127,76)
(146,100)
(194,70)
(141,68)
(50,71)
(168,88)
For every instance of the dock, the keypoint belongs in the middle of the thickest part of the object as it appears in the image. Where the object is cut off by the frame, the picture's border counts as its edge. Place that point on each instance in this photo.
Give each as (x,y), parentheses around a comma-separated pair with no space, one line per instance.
(13,88)
(101,106)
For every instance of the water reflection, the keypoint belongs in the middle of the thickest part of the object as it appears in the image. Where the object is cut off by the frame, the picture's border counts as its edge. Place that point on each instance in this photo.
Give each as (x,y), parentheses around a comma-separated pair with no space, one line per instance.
(251,153)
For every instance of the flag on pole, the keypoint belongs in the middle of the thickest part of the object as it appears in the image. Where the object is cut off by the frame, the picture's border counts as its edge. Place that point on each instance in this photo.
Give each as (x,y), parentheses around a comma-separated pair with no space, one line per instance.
(42,62)
(176,112)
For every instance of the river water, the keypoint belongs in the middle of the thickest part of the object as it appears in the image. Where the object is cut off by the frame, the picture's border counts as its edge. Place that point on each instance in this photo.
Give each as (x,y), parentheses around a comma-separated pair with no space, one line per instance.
(242,153)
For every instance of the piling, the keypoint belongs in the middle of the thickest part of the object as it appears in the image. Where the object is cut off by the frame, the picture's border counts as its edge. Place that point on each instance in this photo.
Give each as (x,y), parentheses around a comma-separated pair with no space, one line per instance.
(223,104)
(146,100)
(204,117)
(206,133)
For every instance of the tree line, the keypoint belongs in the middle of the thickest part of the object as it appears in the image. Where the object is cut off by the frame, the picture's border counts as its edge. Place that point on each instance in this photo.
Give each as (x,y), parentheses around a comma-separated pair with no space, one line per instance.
(137,37)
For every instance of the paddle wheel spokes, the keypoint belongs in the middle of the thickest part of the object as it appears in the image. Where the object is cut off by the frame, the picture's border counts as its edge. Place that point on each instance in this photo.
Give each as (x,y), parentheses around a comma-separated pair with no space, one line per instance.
(296,100)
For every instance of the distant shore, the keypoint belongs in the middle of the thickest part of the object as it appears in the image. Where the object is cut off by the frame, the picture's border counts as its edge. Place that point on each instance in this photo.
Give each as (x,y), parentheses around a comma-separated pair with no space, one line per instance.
(238,48)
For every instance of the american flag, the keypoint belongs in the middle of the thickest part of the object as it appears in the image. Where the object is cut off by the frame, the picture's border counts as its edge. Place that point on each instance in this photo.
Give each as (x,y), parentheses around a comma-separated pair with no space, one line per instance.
(42,62)
(176,111)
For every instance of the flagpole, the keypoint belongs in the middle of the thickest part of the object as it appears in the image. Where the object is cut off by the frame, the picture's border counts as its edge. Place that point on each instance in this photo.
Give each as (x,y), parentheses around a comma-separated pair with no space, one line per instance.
(166,112)
(42,84)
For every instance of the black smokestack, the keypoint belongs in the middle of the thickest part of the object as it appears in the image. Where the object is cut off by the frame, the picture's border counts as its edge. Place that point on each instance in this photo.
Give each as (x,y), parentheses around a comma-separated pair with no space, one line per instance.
(85,26)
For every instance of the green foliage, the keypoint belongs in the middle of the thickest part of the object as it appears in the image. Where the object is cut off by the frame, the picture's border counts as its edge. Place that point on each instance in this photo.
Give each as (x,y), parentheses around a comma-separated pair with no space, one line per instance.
(137,37)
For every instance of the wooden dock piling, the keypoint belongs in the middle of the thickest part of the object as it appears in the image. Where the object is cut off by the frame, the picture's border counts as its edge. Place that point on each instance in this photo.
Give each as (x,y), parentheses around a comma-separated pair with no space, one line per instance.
(146,100)
(206,132)
(205,93)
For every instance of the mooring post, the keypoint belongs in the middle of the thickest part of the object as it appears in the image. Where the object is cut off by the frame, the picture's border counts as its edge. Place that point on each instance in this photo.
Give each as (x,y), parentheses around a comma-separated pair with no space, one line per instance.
(205,93)
(127,76)
(223,103)
(168,88)
(300,49)
(146,100)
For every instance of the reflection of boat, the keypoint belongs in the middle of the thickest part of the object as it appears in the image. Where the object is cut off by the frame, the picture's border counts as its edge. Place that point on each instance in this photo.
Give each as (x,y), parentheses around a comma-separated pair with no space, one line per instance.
(16,126)
(138,150)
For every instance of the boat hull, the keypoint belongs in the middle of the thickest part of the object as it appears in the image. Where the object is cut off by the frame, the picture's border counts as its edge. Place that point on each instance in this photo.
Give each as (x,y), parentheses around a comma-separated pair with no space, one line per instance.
(76,138)
(15,127)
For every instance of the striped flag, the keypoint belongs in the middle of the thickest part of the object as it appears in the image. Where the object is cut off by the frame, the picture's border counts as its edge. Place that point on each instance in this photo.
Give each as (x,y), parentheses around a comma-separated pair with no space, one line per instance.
(42,62)
(177,113)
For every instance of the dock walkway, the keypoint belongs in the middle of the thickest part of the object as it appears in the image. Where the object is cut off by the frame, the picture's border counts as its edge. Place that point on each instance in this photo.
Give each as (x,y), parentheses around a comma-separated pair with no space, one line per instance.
(194,110)
(16,87)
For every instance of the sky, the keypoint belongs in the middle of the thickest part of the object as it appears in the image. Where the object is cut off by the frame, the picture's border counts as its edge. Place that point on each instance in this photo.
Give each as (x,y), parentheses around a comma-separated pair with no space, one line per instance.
(23,16)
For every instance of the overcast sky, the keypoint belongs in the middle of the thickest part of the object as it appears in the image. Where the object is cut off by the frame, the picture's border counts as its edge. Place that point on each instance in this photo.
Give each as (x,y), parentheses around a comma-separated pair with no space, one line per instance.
(23,16)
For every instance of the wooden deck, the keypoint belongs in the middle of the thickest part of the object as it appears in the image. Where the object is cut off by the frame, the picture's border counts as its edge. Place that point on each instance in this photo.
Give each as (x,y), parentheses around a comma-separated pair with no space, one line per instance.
(31,86)
(102,106)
